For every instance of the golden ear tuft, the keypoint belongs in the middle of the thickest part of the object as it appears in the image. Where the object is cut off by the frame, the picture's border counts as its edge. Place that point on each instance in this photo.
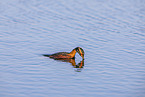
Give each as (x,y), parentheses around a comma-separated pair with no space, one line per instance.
(81,50)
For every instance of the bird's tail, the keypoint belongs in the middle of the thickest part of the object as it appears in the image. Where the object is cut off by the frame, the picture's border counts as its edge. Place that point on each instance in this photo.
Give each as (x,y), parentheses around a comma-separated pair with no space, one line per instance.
(46,55)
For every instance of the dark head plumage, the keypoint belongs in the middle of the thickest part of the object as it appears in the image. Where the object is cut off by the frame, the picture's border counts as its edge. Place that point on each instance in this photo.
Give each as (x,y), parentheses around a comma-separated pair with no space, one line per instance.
(80,51)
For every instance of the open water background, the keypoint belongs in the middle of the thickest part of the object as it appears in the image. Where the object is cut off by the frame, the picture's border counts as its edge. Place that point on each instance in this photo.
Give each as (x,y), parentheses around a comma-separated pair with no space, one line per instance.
(111,32)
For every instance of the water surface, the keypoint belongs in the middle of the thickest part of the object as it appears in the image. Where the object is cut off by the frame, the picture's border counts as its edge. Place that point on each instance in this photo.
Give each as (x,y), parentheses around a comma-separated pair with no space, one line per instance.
(112,34)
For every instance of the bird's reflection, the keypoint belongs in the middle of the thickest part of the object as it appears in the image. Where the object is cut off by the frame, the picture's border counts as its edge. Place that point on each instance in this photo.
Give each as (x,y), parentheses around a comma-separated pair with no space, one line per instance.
(78,67)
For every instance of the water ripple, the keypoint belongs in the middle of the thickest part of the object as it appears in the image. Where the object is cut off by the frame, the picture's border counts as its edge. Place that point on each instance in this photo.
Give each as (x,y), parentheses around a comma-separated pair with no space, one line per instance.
(110,32)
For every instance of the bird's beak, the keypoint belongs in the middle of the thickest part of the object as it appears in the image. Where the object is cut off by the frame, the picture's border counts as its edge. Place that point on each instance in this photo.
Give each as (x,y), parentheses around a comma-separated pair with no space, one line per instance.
(82,56)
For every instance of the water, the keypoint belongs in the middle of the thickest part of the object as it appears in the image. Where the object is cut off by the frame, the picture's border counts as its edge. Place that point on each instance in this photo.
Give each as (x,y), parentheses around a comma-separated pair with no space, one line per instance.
(112,34)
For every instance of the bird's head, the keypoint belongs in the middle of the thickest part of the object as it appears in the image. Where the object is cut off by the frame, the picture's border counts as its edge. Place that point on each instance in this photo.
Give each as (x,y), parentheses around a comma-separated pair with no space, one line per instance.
(80,51)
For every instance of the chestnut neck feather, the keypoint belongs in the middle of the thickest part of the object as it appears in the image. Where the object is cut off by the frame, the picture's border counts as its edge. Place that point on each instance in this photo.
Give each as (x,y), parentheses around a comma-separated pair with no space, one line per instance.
(72,53)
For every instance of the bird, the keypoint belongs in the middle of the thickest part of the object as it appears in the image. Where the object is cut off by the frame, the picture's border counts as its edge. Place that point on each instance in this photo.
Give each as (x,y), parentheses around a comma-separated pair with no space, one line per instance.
(67,55)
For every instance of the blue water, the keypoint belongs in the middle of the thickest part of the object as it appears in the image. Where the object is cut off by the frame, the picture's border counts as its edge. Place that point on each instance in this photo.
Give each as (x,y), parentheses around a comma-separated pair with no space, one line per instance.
(111,32)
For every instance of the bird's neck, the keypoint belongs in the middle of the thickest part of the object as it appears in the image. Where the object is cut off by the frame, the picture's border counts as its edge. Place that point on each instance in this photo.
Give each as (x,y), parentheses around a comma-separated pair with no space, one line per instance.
(72,53)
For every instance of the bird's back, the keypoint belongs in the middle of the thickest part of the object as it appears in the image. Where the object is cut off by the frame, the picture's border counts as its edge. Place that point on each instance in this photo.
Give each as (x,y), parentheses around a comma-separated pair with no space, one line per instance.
(60,55)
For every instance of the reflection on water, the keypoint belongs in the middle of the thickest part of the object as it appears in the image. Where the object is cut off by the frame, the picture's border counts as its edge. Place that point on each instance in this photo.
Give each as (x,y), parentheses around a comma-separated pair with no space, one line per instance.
(78,66)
